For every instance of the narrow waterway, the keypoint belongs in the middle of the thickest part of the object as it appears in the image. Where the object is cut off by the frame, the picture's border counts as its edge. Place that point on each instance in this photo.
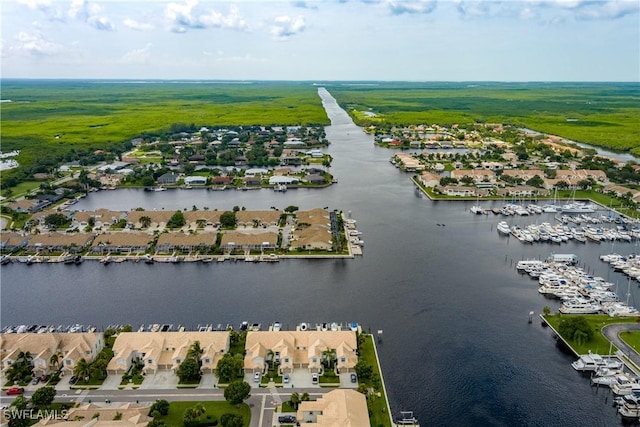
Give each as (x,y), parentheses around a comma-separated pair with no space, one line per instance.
(457,348)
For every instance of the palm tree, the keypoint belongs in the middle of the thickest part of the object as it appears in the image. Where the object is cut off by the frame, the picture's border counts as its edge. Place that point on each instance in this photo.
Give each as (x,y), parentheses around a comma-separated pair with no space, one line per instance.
(145,221)
(195,351)
(198,410)
(54,360)
(82,369)
(295,400)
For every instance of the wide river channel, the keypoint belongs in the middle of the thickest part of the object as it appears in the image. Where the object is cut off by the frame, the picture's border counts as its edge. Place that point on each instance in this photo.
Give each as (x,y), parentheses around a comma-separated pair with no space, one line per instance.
(438,281)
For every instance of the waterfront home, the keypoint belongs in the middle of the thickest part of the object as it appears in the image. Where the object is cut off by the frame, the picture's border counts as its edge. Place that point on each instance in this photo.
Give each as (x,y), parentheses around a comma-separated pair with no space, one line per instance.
(164,351)
(222,180)
(90,414)
(59,242)
(11,241)
(429,179)
(169,242)
(521,191)
(251,180)
(121,242)
(408,163)
(342,407)
(315,178)
(315,216)
(66,348)
(195,180)
(258,218)
(451,190)
(233,240)
(168,178)
(311,238)
(286,180)
(300,350)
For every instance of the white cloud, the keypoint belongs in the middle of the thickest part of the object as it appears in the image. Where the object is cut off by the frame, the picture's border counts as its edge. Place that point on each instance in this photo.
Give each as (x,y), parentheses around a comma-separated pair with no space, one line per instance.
(137,56)
(185,16)
(35,4)
(34,45)
(608,10)
(135,25)
(285,26)
(411,7)
(91,14)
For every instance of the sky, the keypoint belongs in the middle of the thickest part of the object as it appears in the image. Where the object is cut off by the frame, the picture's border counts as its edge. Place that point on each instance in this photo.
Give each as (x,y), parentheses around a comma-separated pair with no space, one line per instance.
(420,40)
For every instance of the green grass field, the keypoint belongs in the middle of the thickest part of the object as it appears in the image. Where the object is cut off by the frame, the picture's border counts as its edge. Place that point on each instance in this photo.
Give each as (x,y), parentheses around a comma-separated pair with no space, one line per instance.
(49,118)
(213,409)
(601,114)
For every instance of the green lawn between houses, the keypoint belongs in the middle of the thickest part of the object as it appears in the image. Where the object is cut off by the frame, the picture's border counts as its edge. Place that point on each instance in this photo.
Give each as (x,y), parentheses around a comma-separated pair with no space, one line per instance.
(212,409)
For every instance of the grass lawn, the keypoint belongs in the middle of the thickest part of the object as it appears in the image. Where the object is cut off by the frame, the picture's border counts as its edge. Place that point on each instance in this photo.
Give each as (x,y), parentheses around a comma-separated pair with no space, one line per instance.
(24,187)
(632,338)
(598,344)
(217,409)
(378,404)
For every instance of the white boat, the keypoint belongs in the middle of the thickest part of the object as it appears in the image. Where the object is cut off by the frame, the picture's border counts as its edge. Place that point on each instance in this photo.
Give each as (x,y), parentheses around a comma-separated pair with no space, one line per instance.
(160,189)
(577,207)
(592,362)
(607,377)
(503,228)
(579,306)
(624,388)
(475,209)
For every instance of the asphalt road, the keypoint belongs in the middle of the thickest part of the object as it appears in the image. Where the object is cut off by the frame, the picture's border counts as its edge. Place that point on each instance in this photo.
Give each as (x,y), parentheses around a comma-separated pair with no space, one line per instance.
(612,332)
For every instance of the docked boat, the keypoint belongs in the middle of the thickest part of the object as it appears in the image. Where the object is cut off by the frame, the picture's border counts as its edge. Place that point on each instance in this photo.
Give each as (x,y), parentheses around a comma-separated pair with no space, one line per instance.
(592,362)
(579,306)
(148,259)
(503,228)
(577,207)
(5,259)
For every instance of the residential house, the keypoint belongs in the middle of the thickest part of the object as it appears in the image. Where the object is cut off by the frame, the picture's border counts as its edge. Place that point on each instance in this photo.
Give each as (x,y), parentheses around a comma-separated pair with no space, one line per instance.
(92,415)
(315,179)
(233,240)
(169,242)
(478,175)
(291,350)
(429,179)
(158,219)
(195,180)
(341,407)
(59,242)
(450,190)
(121,242)
(258,218)
(70,348)
(164,351)
(11,241)
(168,178)
(278,180)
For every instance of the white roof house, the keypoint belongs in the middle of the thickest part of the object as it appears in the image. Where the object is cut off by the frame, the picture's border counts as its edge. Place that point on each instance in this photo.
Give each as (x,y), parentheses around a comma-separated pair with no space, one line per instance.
(195,180)
(283,180)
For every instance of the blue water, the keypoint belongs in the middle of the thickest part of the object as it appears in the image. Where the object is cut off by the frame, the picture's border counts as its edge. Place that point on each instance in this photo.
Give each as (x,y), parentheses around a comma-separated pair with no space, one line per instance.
(440,282)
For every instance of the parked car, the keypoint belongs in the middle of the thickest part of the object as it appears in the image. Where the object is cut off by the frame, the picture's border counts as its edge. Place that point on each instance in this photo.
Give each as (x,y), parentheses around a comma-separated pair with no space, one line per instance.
(73,380)
(285,379)
(15,390)
(256,377)
(286,419)
(314,378)
(35,380)
(354,378)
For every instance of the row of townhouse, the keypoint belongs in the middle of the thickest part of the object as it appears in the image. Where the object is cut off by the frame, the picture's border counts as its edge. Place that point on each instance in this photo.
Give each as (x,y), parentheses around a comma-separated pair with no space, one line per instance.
(313,231)
(165,351)
(50,350)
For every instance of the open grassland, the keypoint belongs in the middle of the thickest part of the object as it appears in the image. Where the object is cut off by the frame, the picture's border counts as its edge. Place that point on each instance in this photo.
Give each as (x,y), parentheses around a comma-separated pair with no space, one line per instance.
(601,114)
(54,116)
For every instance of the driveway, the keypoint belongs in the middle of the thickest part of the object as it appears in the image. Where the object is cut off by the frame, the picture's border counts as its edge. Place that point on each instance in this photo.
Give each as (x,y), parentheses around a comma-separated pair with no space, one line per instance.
(160,380)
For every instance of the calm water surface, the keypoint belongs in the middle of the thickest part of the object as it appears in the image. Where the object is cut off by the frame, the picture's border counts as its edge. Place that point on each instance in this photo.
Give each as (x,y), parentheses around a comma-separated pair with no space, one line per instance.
(439,281)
